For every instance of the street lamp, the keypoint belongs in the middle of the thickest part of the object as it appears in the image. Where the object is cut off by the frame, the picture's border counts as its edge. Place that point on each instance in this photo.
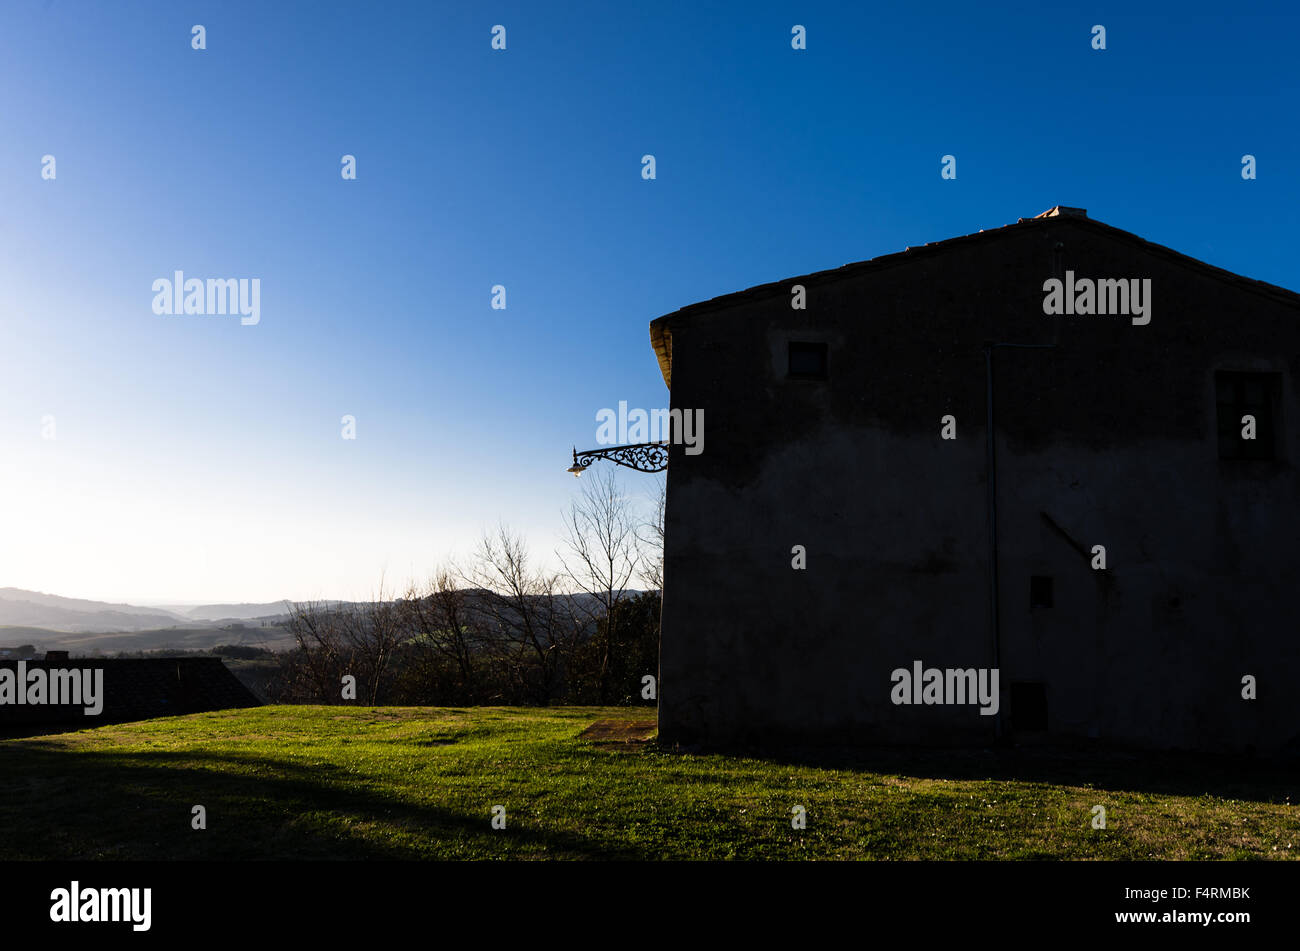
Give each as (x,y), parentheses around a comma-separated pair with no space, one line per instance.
(642,456)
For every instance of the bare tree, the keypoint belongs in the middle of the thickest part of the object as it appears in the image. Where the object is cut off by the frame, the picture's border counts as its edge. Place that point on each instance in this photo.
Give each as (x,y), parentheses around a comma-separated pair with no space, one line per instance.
(438,617)
(650,538)
(357,639)
(527,625)
(317,666)
(373,633)
(600,559)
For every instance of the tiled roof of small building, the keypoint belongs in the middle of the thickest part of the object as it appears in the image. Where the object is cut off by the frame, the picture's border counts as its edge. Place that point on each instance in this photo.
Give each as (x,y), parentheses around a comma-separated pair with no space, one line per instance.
(138,689)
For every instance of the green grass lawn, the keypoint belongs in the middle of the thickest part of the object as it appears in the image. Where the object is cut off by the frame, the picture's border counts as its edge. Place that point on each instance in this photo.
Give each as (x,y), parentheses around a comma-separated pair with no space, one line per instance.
(420,783)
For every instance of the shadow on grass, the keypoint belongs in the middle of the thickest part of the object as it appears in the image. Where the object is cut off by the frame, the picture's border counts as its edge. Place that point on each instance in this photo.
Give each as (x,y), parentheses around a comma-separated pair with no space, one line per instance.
(1161,773)
(62,804)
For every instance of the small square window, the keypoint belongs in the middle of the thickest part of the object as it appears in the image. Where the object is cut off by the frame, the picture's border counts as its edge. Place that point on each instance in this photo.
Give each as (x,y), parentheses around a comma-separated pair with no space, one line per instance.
(808,360)
(1257,395)
(1040,592)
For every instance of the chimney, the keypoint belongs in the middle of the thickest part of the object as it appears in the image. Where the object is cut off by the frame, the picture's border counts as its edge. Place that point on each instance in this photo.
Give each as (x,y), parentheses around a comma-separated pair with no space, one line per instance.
(1064,210)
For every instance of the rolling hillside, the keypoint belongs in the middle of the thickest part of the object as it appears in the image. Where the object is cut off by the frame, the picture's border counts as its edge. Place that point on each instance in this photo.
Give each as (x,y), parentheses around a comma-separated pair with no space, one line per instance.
(52,622)
(195,637)
(35,609)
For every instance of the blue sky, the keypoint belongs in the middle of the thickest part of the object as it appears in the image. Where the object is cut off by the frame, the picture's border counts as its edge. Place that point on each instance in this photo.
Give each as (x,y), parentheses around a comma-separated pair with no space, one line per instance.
(199,459)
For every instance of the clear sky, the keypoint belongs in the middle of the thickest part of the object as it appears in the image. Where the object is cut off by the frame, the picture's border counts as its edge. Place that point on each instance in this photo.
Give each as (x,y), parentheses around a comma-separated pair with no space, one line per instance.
(201,459)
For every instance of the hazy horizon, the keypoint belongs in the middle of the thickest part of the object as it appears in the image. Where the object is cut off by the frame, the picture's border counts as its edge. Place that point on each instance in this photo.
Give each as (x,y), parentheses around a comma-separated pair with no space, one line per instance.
(170,605)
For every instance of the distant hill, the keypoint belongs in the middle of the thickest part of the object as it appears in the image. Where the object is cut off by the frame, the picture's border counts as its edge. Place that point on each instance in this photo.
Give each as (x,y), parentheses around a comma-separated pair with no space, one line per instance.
(237,612)
(52,622)
(36,609)
(179,637)
(77,604)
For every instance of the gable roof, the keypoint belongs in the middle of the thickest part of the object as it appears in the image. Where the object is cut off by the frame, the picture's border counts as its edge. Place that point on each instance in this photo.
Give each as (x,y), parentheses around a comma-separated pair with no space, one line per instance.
(660,328)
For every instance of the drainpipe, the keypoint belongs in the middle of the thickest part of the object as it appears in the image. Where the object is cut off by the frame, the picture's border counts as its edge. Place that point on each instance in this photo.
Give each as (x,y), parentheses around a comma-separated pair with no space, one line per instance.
(991,463)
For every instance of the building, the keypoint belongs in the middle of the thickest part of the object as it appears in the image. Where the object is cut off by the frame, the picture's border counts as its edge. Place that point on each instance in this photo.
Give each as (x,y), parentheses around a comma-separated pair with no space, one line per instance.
(979,551)
(125,689)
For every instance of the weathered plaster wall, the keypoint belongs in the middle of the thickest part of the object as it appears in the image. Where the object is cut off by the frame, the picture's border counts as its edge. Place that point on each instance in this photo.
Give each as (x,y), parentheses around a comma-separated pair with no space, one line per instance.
(1112,434)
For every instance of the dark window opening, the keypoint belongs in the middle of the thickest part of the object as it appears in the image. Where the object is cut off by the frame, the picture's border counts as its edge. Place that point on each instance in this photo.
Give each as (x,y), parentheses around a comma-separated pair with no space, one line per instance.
(1040,592)
(807,361)
(1029,708)
(1248,394)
